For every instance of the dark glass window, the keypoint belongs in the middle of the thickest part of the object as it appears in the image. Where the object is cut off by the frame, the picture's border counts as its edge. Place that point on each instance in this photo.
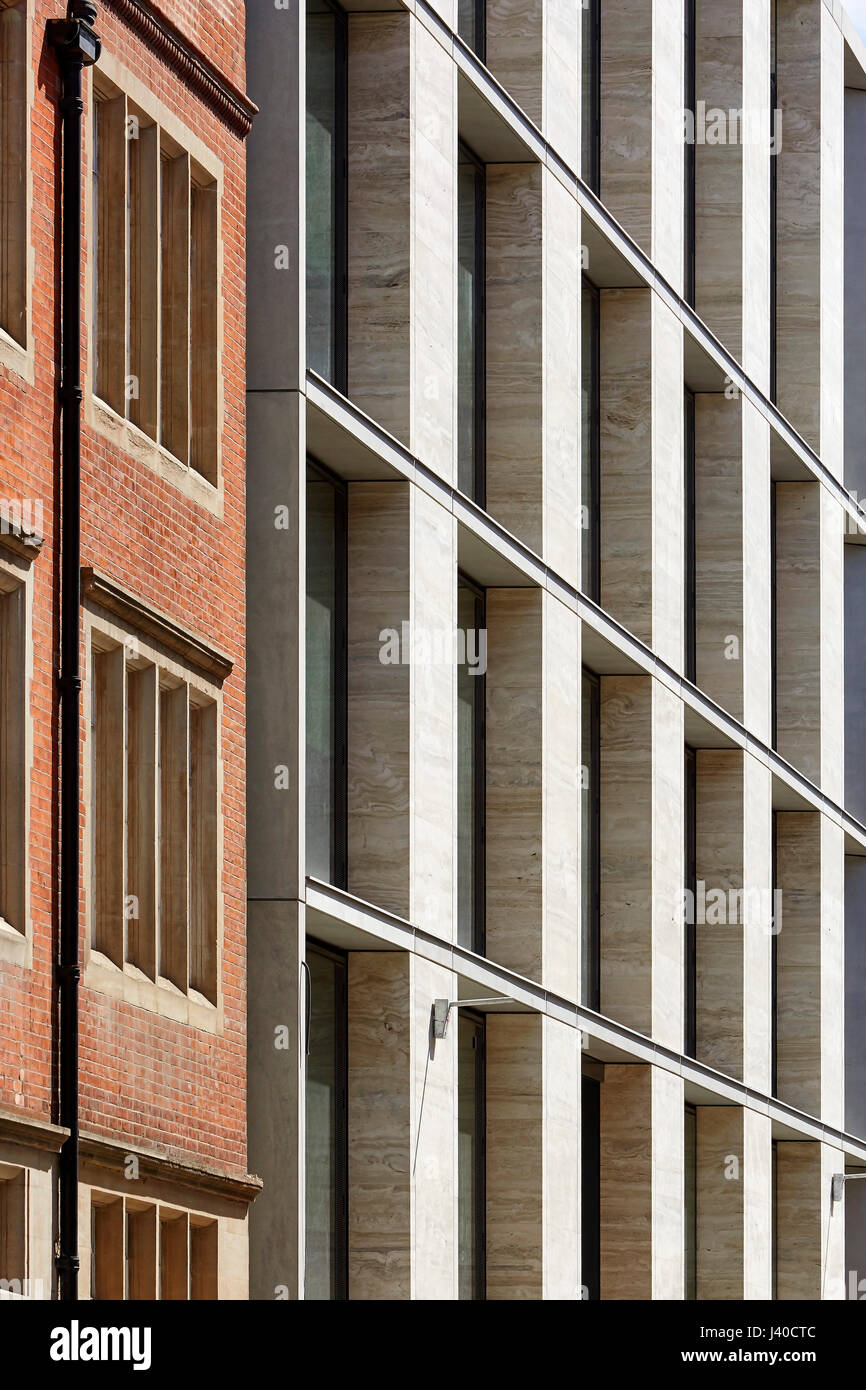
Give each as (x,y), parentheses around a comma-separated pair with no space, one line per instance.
(590,89)
(327,199)
(471,1196)
(590,861)
(590,441)
(691,648)
(470,325)
(691,887)
(691,1202)
(689,283)
(326,677)
(471,780)
(774,969)
(774,195)
(326,1186)
(590,1187)
(472,25)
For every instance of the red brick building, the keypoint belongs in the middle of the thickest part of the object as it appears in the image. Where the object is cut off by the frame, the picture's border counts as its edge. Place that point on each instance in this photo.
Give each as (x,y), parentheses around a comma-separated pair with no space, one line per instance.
(163,1188)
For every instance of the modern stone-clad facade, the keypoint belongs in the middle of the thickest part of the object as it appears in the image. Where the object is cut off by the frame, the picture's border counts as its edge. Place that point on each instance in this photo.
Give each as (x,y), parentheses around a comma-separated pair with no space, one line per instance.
(652,347)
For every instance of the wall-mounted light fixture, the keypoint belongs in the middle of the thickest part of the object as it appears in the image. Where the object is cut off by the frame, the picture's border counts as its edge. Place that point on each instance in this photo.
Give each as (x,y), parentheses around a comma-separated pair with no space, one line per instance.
(837,1187)
(442,1008)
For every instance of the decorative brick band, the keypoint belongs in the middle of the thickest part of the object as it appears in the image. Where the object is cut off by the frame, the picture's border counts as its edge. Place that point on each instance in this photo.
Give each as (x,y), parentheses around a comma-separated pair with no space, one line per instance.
(167,42)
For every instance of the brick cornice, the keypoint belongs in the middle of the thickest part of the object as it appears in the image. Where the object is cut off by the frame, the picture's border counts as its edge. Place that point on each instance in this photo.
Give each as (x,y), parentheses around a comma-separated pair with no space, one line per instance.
(133,610)
(155,29)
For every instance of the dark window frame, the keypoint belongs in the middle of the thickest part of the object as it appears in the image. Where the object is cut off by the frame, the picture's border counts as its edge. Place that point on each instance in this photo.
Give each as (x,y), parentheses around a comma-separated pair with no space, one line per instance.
(774,968)
(466,155)
(691,563)
(341,198)
(590,169)
(592,987)
(340,713)
(774,197)
(690,164)
(588,288)
(341,1106)
(590,1185)
(479,829)
(690,1230)
(479,1176)
(479,19)
(690,953)
(774,662)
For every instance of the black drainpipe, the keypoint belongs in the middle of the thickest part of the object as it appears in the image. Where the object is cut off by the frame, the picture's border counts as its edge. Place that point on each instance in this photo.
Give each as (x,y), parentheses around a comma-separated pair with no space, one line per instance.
(77,47)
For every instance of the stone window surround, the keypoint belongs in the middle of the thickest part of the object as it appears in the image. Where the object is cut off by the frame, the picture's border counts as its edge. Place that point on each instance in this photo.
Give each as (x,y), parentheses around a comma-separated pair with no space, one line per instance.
(168,1235)
(16,556)
(20,357)
(116,626)
(111,77)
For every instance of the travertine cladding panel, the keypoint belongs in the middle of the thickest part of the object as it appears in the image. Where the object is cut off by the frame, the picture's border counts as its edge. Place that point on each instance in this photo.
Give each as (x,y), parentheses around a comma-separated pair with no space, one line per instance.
(515,49)
(719,527)
(380,212)
(810,1233)
(515,1156)
(433,684)
(668,427)
(402,232)
(560,810)
(798,961)
(379,717)
(626,850)
(855,293)
(734,852)
(756,651)
(832,973)
(561,1169)
(642,1172)
(719,58)
(561,388)
(832,622)
(626,458)
(798,625)
(626,116)
(641,856)
(562,35)
(515,350)
(734,1204)
(810,261)
(641,438)
(433,1137)
(380,1109)
(855,998)
(515,804)
(757,154)
(641,125)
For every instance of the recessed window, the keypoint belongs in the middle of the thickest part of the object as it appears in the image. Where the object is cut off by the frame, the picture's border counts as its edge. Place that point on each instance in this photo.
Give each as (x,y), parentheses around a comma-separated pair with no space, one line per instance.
(590,441)
(13,838)
(590,94)
(590,1186)
(471,767)
(472,25)
(690,858)
(327,191)
(326,678)
(471,261)
(13,1228)
(13,170)
(326,1182)
(154,808)
(155,283)
(691,1202)
(689,152)
(590,826)
(471,1162)
(690,559)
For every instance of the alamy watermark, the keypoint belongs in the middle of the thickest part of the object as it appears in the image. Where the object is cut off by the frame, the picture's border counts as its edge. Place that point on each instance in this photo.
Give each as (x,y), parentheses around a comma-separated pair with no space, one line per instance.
(713,125)
(413,645)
